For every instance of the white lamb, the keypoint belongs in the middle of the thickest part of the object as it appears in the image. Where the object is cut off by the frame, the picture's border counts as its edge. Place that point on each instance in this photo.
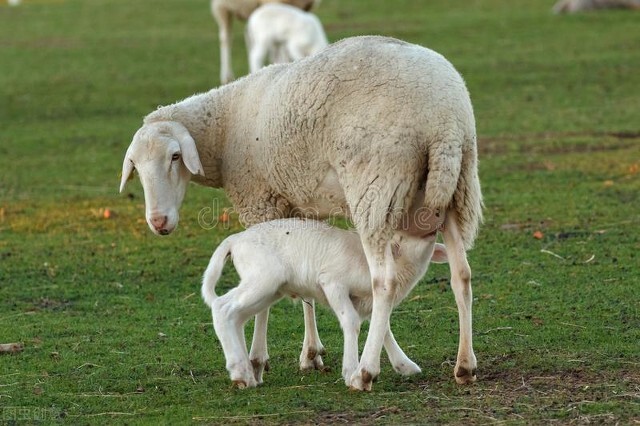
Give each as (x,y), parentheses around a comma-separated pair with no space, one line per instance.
(305,259)
(285,32)
(371,128)
(223,12)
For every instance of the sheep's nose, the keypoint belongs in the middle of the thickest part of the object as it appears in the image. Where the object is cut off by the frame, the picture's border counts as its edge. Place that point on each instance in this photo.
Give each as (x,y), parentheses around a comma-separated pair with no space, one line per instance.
(158,223)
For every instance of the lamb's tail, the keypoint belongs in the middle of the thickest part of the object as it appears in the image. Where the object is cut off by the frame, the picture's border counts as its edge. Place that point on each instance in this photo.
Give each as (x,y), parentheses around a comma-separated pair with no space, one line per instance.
(453,182)
(214,271)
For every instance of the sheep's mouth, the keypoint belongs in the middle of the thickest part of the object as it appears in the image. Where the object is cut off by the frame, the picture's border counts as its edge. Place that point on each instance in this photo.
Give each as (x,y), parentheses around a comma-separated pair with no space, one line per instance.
(164,232)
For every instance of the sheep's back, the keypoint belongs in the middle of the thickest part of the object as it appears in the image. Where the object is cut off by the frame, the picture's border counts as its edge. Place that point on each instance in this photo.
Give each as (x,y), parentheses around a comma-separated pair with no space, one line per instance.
(359,99)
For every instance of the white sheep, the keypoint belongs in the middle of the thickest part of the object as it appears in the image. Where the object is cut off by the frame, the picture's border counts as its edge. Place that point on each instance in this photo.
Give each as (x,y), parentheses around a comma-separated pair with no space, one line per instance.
(305,259)
(371,128)
(573,6)
(224,10)
(284,32)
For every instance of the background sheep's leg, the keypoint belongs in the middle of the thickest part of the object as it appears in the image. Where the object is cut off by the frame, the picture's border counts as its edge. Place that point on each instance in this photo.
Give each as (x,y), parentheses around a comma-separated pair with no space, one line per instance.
(230,313)
(223,18)
(382,270)
(312,348)
(465,370)
(400,362)
(259,355)
(257,55)
(350,323)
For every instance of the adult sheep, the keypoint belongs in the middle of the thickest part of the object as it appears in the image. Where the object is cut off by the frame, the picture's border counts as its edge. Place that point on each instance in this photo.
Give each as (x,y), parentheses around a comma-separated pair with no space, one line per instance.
(223,12)
(574,6)
(376,129)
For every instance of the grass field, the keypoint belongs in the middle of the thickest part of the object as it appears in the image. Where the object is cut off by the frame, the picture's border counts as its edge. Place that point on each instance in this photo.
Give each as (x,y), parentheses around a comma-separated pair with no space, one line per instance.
(110,316)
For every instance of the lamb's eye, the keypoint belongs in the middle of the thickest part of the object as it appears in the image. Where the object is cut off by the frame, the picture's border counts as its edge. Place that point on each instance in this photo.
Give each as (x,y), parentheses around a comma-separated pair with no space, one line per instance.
(175,157)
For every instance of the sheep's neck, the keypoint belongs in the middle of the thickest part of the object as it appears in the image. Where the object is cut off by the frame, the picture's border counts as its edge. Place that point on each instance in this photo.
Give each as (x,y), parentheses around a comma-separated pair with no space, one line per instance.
(204,119)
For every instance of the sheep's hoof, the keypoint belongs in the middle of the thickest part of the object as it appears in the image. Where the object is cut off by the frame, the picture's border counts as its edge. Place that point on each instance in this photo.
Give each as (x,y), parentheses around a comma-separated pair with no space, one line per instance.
(464,376)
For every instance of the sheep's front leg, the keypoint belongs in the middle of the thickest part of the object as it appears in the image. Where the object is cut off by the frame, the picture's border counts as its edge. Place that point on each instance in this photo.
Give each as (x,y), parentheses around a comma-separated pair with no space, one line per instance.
(466,364)
(312,348)
(259,355)
(400,362)
(382,277)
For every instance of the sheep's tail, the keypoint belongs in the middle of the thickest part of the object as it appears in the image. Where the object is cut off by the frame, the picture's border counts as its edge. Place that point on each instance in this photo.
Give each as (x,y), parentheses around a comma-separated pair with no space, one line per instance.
(214,271)
(453,182)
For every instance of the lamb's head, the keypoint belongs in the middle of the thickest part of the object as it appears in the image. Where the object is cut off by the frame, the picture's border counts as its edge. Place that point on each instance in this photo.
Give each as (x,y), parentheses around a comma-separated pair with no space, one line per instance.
(418,250)
(165,156)
(414,254)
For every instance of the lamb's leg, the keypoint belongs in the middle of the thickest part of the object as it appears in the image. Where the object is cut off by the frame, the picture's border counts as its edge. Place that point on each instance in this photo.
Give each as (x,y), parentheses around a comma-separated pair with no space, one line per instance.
(350,323)
(257,54)
(223,18)
(400,362)
(278,54)
(259,355)
(230,313)
(312,348)
(382,269)
(465,370)
(296,51)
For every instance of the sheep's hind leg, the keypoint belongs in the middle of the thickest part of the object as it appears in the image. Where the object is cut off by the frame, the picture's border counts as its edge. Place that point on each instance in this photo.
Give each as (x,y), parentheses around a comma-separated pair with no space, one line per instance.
(259,355)
(466,364)
(312,347)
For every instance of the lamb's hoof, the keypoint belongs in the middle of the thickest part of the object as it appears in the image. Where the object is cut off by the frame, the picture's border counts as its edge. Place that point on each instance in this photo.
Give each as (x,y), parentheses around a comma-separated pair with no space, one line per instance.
(240,384)
(407,368)
(259,367)
(312,360)
(315,364)
(248,382)
(464,376)
(362,381)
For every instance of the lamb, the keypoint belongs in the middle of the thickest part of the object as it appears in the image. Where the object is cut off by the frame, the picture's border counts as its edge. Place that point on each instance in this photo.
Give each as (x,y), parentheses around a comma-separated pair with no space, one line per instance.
(305,259)
(224,10)
(371,128)
(284,31)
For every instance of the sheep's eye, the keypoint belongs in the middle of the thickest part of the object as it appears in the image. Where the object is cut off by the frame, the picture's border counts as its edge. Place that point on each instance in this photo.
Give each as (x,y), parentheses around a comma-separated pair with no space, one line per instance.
(175,157)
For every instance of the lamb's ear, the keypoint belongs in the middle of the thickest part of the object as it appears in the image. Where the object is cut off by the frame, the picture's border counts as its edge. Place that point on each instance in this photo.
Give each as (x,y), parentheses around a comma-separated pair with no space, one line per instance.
(190,154)
(439,254)
(127,172)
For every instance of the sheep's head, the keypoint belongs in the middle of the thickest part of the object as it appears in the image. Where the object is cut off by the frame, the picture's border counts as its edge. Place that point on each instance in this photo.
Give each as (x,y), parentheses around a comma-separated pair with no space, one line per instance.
(165,156)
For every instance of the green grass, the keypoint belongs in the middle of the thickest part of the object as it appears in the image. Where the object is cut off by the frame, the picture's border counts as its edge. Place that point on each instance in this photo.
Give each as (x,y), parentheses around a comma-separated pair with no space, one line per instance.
(111,318)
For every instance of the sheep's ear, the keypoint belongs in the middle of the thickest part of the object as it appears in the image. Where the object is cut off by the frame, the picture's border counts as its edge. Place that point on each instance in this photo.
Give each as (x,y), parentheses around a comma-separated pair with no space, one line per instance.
(439,254)
(127,173)
(190,154)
